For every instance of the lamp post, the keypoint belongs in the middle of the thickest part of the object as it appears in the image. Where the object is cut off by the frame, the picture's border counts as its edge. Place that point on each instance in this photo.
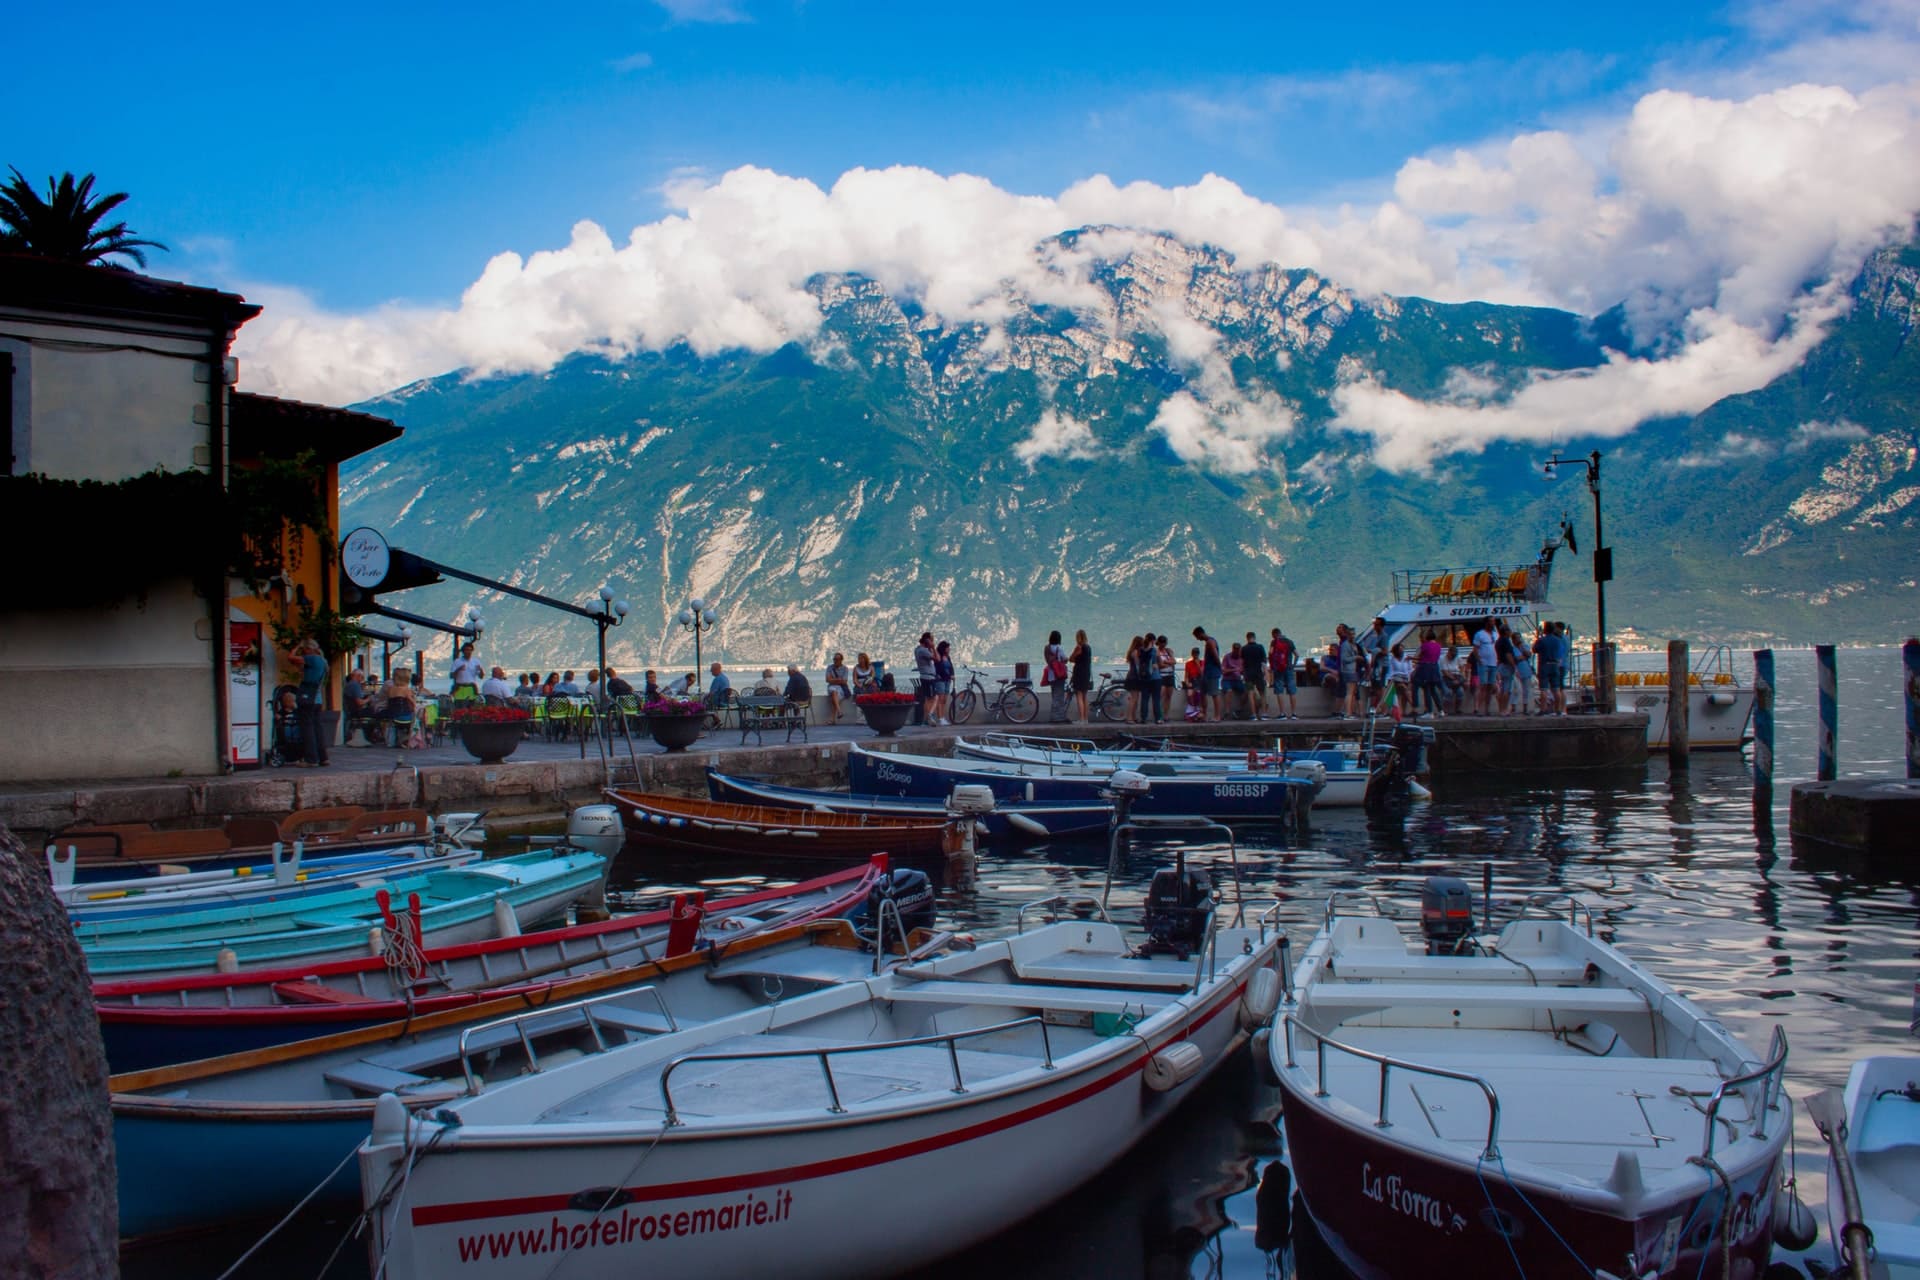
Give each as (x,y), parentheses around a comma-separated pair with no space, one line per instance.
(388,648)
(697,618)
(1602,571)
(607,612)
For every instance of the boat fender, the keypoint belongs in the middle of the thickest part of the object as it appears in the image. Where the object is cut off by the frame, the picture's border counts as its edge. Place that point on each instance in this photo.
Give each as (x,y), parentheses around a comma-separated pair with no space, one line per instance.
(1021,822)
(225,961)
(1794,1227)
(1720,698)
(1261,999)
(389,1119)
(505,923)
(1417,791)
(1174,1065)
(1263,1055)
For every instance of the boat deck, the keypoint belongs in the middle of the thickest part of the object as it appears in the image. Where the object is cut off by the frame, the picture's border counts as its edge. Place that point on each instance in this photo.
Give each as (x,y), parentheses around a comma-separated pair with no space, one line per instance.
(761,1086)
(1651,1107)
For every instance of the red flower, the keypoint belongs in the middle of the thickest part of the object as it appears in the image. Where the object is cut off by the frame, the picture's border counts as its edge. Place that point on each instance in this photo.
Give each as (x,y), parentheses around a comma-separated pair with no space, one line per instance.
(884,699)
(490,715)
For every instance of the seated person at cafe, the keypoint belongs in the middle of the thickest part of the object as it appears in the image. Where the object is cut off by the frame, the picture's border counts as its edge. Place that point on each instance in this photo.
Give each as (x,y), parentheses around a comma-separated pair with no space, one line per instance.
(866,678)
(839,686)
(766,681)
(650,690)
(798,692)
(616,687)
(357,705)
(567,688)
(719,688)
(495,688)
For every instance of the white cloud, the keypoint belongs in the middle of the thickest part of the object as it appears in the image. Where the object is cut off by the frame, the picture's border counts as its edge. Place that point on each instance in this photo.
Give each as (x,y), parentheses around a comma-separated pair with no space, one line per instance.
(704,11)
(632,62)
(1732,447)
(1057,436)
(1808,434)
(1708,217)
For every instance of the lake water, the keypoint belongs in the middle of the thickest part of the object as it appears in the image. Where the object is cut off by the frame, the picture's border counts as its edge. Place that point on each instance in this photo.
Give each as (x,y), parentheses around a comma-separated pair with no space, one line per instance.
(1679,870)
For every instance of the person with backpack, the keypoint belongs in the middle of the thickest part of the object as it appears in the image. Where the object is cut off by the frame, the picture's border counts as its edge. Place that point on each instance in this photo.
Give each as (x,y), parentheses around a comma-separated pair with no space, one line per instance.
(1281,653)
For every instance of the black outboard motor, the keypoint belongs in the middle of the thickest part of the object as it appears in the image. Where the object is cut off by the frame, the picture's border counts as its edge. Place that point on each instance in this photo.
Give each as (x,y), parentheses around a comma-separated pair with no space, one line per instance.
(1410,742)
(1178,902)
(1446,914)
(910,892)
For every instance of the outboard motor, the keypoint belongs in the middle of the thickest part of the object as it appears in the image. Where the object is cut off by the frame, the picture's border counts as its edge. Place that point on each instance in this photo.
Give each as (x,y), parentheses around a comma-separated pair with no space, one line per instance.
(911,893)
(1178,903)
(1410,743)
(1446,914)
(597,829)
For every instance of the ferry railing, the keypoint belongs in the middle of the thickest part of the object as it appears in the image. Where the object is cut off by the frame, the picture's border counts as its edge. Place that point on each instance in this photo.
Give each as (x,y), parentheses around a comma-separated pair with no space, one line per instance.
(1060,900)
(826,1053)
(1387,1066)
(1772,1078)
(518,1022)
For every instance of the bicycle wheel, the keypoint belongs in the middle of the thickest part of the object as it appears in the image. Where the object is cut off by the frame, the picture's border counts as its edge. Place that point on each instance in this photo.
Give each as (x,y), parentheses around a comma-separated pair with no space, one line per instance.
(964,703)
(1020,705)
(1112,704)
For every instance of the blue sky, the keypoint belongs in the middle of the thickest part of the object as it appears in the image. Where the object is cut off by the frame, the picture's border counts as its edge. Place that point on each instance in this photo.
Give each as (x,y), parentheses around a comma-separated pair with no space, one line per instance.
(366,153)
(415,189)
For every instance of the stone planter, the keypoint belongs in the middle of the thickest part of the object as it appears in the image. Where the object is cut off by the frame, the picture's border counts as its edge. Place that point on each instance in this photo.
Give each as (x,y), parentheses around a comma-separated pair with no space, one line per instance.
(492,743)
(886,719)
(675,733)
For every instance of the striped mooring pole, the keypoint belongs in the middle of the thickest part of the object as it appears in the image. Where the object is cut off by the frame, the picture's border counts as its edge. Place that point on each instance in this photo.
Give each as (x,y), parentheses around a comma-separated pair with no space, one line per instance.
(1763,719)
(1910,662)
(1829,714)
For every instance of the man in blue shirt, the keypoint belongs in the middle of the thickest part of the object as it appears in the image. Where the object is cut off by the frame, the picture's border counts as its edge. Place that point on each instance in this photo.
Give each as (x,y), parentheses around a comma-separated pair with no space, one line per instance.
(719,688)
(1550,651)
(313,679)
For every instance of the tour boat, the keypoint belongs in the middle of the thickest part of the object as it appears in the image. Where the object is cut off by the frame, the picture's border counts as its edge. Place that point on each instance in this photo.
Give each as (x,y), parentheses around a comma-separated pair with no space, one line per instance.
(748,830)
(1008,820)
(1227,794)
(109,851)
(251,1134)
(855,1118)
(289,874)
(159,1021)
(1529,1104)
(1880,1112)
(484,900)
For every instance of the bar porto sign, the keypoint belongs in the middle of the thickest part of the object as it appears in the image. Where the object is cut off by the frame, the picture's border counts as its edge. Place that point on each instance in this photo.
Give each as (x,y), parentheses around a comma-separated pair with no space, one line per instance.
(365,558)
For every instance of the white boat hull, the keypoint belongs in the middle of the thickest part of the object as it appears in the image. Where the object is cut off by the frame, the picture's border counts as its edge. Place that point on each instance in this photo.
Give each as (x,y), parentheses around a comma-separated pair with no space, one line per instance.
(1883,1142)
(1718,716)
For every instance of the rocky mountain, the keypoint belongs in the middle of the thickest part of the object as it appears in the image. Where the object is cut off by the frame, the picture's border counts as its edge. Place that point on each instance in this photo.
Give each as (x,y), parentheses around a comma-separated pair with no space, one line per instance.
(1160,453)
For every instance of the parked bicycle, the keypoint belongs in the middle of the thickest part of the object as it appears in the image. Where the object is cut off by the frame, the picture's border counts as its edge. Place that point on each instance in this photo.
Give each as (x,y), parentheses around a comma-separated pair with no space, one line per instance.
(1109,700)
(1015,703)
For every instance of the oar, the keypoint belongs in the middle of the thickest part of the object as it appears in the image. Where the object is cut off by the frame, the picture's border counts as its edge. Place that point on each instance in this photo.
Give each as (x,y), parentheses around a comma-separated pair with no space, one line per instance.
(1829,1111)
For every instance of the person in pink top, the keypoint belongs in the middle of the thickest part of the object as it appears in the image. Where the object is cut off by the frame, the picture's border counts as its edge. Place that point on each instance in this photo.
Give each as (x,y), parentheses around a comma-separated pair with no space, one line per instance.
(1427,679)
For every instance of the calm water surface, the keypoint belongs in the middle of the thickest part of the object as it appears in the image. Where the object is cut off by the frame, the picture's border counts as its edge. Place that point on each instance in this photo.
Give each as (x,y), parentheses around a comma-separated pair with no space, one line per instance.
(1680,870)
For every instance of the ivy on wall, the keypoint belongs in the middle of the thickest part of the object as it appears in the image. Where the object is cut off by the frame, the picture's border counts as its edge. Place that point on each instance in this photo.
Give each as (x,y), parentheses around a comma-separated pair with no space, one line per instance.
(88,544)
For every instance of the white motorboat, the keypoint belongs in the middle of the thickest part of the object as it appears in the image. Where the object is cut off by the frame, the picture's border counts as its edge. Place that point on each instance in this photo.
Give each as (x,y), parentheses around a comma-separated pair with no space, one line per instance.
(1336,765)
(862,1118)
(1879,1139)
(1532,1104)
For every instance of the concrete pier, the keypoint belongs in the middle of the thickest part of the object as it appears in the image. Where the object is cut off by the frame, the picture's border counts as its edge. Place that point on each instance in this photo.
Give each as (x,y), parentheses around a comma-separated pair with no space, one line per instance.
(1858,815)
(545,778)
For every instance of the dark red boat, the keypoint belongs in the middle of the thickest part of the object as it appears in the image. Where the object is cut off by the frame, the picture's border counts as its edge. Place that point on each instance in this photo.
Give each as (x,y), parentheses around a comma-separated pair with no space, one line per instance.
(750,830)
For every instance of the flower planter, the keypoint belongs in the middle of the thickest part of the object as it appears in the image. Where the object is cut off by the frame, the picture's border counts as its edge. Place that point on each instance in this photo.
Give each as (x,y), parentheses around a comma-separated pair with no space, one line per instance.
(675,733)
(492,743)
(886,719)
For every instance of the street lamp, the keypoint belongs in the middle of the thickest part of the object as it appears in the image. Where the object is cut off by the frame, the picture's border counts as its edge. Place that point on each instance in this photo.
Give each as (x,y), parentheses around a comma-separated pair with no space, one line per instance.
(1602,570)
(606,612)
(388,649)
(697,618)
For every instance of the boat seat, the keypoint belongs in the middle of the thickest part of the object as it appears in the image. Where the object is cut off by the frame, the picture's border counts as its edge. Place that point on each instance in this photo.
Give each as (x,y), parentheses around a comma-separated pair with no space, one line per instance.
(1453,968)
(316,993)
(1014,995)
(1889,1128)
(644,1021)
(1083,969)
(1362,997)
(372,1078)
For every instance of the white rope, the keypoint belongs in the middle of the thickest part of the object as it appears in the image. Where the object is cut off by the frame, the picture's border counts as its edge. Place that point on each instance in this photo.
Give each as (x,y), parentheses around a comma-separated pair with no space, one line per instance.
(291,1214)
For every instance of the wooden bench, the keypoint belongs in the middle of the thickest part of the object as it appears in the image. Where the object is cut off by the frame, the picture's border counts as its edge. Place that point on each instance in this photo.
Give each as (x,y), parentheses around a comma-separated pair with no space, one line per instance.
(1014,995)
(759,712)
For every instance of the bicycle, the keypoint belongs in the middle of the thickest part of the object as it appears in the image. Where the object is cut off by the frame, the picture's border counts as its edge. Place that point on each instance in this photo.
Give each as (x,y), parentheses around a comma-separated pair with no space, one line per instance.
(1015,703)
(1109,700)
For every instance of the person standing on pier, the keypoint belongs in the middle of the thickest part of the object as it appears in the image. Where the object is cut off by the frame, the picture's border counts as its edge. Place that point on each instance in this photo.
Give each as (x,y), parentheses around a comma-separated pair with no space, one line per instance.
(1081,662)
(1163,667)
(313,678)
(1352,668)
(1280,657)
(942,683)
(1427,680)
(1486,665)
(1209,672)
(1373,651)
(923,671)
(1550,651)
(467,674)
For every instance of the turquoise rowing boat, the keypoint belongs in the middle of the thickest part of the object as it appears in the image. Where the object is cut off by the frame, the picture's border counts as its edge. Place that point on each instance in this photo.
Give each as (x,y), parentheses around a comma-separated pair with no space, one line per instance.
(465,905)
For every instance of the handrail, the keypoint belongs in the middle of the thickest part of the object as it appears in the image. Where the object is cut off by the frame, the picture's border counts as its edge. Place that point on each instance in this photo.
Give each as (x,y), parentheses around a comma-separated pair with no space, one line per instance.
(880,931)
(1575,907)
(1270,916)
(1777,1047)
(825,1053)
(1059,900)
(1338,895)
(1209,953)
(526,1043)
(1387,1064)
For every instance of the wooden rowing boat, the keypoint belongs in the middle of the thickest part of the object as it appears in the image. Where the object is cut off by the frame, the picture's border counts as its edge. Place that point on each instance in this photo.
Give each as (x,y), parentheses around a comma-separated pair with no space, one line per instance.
(717,826)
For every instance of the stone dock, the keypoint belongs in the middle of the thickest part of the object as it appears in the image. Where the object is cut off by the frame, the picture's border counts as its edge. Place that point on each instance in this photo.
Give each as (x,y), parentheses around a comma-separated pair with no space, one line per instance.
(544,778)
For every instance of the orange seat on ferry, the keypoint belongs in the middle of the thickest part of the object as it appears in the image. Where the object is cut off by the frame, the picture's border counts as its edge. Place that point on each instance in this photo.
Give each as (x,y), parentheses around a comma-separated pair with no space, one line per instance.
(1517,585)
(1441,587)
(1474,584)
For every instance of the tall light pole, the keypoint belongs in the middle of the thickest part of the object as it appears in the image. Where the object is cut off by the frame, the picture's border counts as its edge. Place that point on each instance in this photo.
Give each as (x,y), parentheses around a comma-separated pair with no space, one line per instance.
(607,612)
(1602,563)
(696,617)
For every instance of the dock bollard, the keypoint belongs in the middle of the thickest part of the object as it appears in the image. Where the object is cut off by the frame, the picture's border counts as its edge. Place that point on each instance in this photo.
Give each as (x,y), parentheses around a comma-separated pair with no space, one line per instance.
(1829,713)
(1910,663)
(1679,705)
(1763,720)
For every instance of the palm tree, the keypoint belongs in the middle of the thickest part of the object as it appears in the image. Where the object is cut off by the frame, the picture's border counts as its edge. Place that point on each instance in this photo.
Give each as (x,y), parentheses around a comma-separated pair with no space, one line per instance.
(66,223)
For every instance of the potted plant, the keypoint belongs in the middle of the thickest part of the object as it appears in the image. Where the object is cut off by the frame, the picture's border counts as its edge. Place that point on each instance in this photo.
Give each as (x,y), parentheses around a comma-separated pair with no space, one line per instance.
(886,713)
(675,723)
(491,733)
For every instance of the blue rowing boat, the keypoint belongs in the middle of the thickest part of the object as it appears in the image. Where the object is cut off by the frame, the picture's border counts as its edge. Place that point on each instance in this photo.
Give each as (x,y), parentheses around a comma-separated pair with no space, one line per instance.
(1011,821)
(465,905)
(1260,797)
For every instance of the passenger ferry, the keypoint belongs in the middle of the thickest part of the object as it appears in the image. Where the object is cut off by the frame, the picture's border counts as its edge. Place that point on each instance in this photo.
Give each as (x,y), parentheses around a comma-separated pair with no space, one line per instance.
(1453,601)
